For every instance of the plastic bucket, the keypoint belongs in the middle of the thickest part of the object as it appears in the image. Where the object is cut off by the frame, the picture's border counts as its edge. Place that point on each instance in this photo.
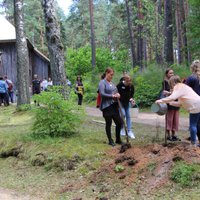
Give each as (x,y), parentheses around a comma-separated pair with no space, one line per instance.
(134,111)
(160,109)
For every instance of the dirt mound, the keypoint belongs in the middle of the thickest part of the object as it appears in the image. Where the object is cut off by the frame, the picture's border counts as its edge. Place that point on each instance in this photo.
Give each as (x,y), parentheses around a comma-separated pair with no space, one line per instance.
(142,168)
(150,164)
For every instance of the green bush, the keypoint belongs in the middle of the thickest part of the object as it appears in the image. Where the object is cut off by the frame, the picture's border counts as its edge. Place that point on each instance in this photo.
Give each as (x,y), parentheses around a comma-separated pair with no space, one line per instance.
(186,174)
(56,116)
(148,85)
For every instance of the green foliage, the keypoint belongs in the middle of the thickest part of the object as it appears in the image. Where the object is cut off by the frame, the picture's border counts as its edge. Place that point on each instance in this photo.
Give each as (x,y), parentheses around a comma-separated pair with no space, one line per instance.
(79,61)
(193,28)
(56,116)
(119,168)
(186,175)
(24,107)
(148,85)
(90,90)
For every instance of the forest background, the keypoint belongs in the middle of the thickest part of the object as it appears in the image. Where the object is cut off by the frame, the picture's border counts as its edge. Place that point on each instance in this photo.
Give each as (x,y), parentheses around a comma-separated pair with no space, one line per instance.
(141,37)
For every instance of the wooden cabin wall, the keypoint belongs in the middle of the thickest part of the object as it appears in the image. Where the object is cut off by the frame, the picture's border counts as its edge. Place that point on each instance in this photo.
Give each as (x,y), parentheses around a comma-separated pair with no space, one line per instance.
(8,61)
(39,67)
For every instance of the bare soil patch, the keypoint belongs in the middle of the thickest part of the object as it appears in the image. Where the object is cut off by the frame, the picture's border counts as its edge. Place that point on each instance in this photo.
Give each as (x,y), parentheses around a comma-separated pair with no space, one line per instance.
(149,165)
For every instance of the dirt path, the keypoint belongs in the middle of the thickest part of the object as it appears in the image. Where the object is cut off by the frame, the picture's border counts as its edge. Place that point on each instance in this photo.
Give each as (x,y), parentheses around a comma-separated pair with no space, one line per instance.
(144,118)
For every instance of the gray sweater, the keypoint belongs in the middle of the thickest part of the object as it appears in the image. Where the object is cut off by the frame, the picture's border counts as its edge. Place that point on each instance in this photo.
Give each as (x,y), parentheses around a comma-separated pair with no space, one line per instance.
(106,91)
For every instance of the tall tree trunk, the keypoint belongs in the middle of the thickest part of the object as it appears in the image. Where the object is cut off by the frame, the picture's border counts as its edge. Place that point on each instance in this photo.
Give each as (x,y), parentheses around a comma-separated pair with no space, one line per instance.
(179,32)
(184,10)
(22,56)
(145,51)
(168,32)
(92,33)
(158,47)
(133,57)
(56,50)
(140,52)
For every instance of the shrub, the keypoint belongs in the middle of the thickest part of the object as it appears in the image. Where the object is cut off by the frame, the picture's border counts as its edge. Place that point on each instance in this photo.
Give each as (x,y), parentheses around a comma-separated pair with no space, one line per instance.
(56,116)
(24,107)
(147,85)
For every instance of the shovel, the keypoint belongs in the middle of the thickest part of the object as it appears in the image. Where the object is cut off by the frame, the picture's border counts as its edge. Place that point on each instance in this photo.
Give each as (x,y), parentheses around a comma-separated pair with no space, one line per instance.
(126,145)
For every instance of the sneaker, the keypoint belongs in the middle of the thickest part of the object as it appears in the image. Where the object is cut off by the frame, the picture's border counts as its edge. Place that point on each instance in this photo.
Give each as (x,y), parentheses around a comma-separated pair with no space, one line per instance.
(169,138)
(193,145)
(131,134)
(122,132)
(175,138)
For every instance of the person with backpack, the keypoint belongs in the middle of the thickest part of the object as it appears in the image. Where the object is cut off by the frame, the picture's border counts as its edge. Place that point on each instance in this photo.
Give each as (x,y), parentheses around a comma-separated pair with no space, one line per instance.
(10,93)
(3,91)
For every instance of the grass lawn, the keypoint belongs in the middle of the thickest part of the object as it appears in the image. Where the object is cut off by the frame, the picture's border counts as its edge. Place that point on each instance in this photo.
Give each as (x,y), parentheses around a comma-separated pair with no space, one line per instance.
(80,166)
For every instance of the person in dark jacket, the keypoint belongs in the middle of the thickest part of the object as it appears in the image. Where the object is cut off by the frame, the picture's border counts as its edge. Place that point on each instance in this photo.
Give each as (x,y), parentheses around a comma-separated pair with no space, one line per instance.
(109,105)
(194,82)
(36,89)
(126,91)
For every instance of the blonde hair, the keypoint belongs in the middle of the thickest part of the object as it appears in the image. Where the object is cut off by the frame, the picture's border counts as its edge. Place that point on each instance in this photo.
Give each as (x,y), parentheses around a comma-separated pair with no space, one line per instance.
(174,80)
(195,68)
(127,77)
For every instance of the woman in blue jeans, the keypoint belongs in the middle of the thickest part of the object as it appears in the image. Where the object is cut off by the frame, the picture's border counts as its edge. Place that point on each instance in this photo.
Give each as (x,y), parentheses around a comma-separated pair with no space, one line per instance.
(194,82)
(126,91)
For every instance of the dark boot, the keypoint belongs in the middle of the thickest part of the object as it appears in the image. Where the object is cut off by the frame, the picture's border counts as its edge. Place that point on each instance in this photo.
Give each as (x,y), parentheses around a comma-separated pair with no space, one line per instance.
(118,138)
(110,140)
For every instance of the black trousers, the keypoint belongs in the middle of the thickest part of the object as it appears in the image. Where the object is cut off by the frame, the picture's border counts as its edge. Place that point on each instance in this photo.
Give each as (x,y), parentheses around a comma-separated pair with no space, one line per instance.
(4,99)
(80,99)
(109,114)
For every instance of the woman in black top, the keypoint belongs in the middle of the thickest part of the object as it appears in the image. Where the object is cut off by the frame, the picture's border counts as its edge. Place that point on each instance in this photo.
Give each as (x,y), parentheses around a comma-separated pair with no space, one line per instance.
(126,91)
(79,89)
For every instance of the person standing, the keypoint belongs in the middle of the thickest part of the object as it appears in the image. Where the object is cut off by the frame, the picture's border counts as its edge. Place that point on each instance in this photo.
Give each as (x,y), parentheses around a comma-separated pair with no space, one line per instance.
(126,91)
(50,82)
(188,99)
(3,91)
(44,84)
(68,82)
(79,89)
(36,86)
(172,115)
(109,106)
(10,93)
(194,82)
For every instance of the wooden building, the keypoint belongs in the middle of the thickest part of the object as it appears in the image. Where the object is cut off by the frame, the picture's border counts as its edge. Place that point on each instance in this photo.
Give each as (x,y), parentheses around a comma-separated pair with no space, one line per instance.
(38,63)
